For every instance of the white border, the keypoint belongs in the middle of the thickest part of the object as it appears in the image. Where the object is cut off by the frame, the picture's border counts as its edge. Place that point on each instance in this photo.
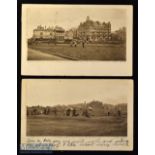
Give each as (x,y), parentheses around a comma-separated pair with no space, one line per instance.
(78,68)
(26,139)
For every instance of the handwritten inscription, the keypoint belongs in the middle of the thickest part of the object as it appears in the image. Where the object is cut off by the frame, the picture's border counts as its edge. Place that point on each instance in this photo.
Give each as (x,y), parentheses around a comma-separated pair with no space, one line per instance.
(82,142)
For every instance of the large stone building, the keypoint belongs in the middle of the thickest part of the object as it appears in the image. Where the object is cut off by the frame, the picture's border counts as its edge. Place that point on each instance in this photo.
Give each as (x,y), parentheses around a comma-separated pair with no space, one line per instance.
(43,33)
(94,30)
(56,33)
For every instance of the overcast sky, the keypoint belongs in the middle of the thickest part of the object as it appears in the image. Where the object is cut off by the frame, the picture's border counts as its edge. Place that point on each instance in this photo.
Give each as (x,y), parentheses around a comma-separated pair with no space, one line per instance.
(69,16)
(53,91)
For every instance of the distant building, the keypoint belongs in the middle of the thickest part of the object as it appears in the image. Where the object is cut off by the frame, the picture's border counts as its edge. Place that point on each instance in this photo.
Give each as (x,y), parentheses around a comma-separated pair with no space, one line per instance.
(119,34)
(59,34)
(69,35)
(94,30)
(43,33)
(89,30)
(56,33)
(93,108)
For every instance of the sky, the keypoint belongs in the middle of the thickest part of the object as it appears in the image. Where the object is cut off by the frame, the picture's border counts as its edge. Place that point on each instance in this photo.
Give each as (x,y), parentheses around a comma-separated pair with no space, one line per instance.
(69,16)
(51,92)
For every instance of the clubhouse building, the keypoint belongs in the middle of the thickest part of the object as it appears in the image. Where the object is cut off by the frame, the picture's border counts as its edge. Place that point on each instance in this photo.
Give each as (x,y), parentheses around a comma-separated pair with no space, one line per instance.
(94,30)
(88,30)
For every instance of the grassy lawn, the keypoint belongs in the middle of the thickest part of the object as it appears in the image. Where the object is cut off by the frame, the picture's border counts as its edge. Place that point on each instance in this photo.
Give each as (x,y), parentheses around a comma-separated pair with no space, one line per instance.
(37,55)
(90,52)
(75,126)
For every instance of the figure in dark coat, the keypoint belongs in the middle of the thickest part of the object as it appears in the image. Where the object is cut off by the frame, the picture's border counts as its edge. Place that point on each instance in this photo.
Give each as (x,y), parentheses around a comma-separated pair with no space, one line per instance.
(83,43)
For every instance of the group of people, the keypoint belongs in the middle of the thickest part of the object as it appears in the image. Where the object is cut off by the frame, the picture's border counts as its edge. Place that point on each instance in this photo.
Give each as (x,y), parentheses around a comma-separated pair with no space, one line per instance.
(74,43)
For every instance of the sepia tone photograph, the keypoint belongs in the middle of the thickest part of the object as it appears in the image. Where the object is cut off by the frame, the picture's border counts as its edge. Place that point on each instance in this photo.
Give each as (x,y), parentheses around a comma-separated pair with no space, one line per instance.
(77,108)
(76,33)
(60,35)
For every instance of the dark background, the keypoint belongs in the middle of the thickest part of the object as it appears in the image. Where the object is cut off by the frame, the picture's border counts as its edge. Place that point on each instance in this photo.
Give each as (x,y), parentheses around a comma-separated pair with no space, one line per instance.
(134,77)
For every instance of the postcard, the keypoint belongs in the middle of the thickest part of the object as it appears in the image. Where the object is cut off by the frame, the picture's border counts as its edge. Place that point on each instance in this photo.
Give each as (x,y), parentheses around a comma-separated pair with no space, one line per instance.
(77,114)
(77,40)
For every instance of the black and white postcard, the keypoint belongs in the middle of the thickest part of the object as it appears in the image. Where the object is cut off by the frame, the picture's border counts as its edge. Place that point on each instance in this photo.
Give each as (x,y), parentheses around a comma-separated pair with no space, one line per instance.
(77,40)
(77,114)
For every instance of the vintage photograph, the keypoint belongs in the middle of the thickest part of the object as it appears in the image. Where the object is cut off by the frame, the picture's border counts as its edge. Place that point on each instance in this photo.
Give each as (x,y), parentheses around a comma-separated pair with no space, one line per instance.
(76,33)
(78,108)
(59,35)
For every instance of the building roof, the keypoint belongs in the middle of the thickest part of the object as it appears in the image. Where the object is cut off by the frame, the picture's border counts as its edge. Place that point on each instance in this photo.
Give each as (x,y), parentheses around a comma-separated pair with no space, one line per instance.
(90,24)
(59,29)
(42,28)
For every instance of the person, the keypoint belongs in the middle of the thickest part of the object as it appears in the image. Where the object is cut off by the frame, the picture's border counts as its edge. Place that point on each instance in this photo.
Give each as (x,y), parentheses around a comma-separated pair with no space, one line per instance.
(55,111)
(55,41)
(68,112)
(74,112)
(71,43)
(119,113)
(83,43)
(75,43)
